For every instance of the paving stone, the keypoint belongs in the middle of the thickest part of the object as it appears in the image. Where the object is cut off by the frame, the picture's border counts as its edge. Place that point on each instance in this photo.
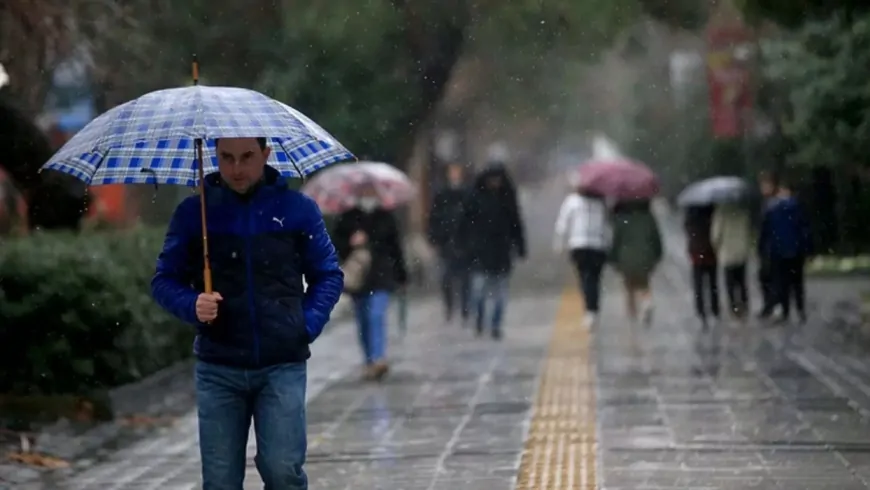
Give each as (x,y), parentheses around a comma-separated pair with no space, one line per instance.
(450,415)
(736,408)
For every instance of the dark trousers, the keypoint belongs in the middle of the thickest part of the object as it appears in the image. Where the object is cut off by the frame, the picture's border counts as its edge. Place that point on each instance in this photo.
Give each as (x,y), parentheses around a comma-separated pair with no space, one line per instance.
(735,285)
(455,285)
(766,284)
(705,282)
(589,263)
(788,275)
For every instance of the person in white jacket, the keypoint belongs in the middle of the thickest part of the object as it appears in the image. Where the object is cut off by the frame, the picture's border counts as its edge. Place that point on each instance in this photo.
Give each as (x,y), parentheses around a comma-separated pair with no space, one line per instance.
(583,227)
(731,235)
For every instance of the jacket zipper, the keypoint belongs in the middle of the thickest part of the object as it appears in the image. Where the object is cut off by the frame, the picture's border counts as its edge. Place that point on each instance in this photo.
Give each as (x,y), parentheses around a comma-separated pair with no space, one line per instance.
(249,270)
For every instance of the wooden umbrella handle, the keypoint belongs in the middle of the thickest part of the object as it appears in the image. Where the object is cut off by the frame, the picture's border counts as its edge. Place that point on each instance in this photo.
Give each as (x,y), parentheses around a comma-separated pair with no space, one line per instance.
(206,269)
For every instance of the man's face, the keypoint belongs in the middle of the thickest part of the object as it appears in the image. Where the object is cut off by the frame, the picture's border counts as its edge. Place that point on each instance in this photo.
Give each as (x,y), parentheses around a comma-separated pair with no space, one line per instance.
(494,182)
(241,162)
(454,175)
(767,188)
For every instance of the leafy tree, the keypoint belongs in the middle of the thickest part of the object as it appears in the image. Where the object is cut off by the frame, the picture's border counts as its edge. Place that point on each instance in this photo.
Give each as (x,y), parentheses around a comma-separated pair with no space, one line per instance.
(36,35)
(371,71)
(794,13)
(825,67)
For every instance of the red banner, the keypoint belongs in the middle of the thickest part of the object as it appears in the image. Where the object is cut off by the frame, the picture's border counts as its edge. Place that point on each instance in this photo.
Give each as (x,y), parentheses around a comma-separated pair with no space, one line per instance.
(729,79)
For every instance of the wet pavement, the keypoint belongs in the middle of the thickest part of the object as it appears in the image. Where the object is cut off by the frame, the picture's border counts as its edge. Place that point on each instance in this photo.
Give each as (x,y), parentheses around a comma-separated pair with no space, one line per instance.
(553,406)
(450,415)
(740,406)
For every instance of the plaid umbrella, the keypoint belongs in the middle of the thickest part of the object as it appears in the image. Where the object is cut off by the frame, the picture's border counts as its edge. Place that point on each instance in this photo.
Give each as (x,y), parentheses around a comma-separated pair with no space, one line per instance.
(337,188)
(159,139)
(151,140)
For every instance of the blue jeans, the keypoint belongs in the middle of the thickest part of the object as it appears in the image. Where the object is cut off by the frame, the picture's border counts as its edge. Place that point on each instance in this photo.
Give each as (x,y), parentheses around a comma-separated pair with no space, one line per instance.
(371,319)
(492,287)
(227,399)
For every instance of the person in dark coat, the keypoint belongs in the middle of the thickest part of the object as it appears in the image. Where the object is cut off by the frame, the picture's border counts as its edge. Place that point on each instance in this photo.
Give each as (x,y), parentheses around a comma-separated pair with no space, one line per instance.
(705,268)
(254,329)
(13,207)
(785,239)
(370,225)
(54,200)
(768,187)
(444,222)
(495,236)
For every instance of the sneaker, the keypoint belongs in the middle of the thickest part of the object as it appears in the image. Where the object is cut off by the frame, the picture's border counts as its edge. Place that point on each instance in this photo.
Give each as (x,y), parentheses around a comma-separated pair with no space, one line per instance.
(496,334)
(590,320)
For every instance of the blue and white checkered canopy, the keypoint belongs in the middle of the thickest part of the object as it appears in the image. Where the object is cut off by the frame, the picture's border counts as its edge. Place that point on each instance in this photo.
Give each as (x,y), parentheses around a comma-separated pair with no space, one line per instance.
(150,140)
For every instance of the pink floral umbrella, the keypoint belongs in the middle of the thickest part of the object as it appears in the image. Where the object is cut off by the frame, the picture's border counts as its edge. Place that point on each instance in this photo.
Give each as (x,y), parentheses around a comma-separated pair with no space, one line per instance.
(619,179)
(337,188)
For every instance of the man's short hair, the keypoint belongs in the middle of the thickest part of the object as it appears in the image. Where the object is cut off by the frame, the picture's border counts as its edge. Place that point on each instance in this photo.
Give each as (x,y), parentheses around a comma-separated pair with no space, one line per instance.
(260,141)
(787,182)
(767,177)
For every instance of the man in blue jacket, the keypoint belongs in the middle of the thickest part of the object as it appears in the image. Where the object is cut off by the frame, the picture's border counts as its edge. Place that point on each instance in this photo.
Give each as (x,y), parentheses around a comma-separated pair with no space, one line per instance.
(253,331)
(785,239)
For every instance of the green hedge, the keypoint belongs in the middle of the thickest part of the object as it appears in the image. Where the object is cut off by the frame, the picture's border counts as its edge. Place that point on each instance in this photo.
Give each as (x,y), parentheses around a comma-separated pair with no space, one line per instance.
(76,313)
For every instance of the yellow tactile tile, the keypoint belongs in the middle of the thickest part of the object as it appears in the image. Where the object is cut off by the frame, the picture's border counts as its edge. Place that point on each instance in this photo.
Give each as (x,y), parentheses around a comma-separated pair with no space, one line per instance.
(560,449)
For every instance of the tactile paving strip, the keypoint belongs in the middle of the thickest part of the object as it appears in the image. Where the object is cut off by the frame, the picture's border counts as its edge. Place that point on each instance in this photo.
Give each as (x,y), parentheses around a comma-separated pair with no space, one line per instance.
(560,449)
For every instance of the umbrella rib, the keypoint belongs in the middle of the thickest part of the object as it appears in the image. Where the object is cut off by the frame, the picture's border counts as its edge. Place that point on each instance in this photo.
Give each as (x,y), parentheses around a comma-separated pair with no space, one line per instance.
(292,161)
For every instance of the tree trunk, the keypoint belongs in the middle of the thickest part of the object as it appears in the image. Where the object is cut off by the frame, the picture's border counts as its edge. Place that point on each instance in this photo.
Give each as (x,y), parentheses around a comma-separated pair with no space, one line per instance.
(437,48)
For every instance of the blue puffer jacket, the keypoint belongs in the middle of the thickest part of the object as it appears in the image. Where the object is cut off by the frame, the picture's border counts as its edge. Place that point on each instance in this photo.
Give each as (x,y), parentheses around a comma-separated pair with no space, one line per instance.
(260,248)
(785,231)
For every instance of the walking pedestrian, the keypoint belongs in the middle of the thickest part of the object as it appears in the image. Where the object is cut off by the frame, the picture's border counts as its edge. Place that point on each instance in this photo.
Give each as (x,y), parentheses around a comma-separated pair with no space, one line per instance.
(444,223)
(785,239)
(584,223)
(495,236)
(768,188)
(731,234)
(635,252)
(372,226)
(705,269)
(254,330)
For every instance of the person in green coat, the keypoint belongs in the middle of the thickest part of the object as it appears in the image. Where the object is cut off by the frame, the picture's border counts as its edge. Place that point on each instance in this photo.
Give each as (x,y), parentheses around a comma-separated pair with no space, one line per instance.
(635,253)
